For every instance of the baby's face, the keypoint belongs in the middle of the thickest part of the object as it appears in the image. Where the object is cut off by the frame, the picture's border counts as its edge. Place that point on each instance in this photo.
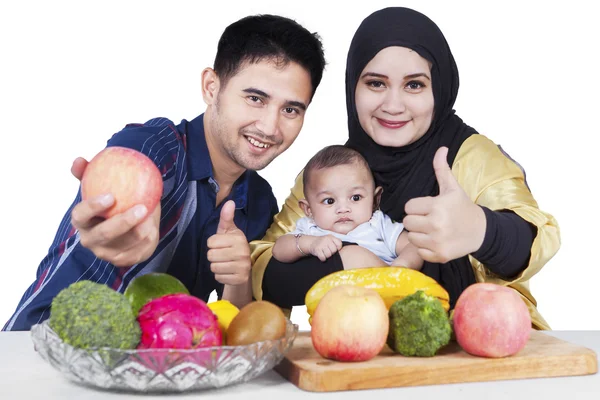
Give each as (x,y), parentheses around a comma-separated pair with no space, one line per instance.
(340,198)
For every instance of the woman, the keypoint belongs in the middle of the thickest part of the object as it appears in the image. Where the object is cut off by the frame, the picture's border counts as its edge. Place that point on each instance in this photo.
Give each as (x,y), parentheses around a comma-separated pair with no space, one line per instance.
(464,201)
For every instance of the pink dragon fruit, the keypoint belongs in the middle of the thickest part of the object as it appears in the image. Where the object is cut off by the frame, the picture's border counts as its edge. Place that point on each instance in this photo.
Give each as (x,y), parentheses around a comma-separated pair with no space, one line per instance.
(178,321)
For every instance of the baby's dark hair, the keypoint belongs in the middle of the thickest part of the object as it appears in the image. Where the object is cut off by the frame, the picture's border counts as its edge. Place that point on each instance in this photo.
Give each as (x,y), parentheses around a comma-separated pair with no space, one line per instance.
(332,156)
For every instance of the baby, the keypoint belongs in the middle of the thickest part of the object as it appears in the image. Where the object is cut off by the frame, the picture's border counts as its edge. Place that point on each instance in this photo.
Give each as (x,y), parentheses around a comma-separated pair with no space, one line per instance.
(341,203)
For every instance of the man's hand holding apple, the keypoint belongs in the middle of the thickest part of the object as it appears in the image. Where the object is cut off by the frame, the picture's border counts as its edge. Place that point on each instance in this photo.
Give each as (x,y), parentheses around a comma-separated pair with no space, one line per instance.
(123,239)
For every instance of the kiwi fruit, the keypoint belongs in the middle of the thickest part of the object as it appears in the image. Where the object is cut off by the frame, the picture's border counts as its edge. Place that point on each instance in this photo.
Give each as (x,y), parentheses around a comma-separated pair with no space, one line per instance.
(257,321)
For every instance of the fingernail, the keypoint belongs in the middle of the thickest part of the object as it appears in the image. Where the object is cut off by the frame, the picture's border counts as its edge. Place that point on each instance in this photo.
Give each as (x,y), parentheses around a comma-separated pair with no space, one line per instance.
(139,211)
(105,200)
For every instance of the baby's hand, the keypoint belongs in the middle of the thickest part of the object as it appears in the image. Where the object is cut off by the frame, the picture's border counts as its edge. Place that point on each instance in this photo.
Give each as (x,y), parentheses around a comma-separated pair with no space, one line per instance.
(324,247)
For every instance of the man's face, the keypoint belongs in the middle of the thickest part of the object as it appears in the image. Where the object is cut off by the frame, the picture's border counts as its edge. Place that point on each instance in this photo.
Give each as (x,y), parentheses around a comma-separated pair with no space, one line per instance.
(259,112)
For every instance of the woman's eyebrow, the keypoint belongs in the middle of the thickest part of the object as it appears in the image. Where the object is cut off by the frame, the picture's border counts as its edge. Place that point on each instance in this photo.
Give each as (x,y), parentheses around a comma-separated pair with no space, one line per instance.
(374,75)
(417,75)
(382,76)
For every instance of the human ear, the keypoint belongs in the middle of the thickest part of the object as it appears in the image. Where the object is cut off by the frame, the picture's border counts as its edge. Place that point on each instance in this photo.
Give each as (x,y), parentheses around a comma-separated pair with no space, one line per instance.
(305,207)
(210,86)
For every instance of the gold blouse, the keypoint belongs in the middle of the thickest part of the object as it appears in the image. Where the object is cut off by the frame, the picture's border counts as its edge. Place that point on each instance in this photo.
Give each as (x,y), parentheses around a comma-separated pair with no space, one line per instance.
(490,179)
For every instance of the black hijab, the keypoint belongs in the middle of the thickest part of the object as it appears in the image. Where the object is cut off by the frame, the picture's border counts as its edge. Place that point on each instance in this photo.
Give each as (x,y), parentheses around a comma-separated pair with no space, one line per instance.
(407,172)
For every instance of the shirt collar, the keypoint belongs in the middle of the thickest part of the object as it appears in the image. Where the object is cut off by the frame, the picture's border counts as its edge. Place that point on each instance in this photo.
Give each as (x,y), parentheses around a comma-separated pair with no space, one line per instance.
(199,162)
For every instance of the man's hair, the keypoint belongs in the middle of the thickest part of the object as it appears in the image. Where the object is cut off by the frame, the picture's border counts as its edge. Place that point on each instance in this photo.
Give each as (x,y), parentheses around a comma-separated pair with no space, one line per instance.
(272,37)
(332,156)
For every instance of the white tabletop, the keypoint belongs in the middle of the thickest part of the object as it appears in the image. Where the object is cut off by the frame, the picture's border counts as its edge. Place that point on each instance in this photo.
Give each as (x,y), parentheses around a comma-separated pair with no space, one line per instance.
(25,375)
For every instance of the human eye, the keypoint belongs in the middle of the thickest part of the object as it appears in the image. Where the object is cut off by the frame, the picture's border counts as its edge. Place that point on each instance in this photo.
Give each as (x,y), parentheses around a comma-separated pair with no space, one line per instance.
(375,84)
(291,111)
(328,201)
(415,86)
(356,197)
(254,99)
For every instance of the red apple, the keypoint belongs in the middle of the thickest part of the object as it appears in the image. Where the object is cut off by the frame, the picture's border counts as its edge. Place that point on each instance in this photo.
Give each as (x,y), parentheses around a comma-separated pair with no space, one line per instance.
(129,175)
(491,321)
(350,323)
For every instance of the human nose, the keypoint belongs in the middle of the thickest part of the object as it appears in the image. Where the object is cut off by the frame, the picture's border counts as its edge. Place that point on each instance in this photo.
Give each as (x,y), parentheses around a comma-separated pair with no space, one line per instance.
(343,208)
(269,123)
(394,102)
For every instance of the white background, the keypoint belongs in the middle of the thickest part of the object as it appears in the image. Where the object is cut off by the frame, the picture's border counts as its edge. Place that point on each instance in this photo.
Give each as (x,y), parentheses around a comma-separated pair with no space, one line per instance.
(73,73)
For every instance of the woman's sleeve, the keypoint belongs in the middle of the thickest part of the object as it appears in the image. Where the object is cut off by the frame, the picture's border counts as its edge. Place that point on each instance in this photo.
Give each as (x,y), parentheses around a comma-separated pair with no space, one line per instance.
(283,222)
(493,180)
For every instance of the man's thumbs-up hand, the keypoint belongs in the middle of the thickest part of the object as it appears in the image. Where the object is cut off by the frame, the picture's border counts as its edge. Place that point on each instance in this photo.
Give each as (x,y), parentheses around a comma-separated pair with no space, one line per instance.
(449,225)
(229,252)
(226,223)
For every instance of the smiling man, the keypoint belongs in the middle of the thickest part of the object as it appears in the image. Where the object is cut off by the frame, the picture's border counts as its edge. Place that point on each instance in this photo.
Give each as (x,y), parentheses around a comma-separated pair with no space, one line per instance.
(265,73)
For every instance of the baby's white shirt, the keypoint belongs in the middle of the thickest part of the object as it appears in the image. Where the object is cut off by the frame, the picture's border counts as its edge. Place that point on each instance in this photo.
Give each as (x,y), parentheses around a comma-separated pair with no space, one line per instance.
(379,234)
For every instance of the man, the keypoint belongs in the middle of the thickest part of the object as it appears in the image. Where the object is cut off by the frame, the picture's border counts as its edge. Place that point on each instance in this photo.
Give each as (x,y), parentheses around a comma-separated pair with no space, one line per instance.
(265,74)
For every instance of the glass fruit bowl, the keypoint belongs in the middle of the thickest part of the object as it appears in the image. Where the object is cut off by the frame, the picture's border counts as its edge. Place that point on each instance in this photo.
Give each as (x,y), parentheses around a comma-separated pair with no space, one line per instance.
(161,370)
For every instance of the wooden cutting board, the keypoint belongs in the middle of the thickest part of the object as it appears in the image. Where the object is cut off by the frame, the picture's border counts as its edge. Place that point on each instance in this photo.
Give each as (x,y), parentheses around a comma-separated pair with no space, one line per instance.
(543,356)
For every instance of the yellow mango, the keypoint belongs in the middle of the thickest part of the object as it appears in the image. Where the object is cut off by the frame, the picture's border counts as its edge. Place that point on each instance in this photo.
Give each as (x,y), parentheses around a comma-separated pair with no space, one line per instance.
(225,312)
(391,283)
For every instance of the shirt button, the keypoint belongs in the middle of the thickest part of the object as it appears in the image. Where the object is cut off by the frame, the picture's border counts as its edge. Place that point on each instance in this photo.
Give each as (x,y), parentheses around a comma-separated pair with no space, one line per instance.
(214,185)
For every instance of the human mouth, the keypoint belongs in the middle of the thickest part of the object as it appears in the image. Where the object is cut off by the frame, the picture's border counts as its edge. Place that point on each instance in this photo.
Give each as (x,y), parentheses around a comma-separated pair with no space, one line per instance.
(343,220)
(391,124)
(257,143)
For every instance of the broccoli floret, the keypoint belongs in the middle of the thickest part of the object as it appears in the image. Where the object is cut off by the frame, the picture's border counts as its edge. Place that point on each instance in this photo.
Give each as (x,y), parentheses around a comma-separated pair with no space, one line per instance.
(88,315)
(419,325)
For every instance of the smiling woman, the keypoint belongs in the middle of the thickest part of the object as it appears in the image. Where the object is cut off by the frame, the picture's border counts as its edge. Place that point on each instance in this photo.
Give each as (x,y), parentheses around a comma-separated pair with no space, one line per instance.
(394,97)
(464,204)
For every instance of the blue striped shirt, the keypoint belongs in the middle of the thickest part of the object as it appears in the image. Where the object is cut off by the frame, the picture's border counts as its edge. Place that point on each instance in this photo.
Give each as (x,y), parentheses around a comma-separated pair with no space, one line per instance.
(188,218)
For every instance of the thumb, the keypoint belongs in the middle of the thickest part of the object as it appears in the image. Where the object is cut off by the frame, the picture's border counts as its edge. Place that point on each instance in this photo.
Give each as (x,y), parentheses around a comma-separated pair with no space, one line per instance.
(338,243)
(226,223)
(446,181)
(78,167)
